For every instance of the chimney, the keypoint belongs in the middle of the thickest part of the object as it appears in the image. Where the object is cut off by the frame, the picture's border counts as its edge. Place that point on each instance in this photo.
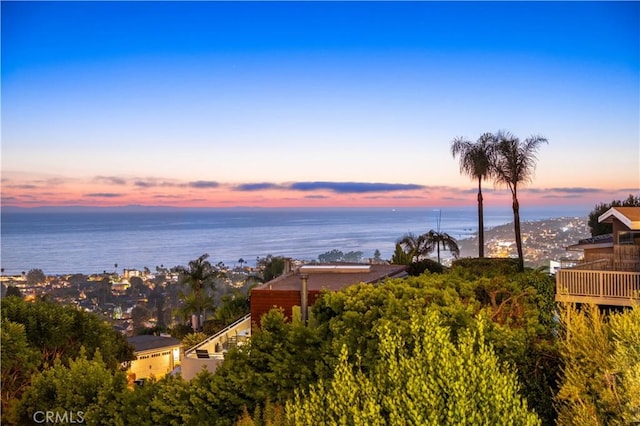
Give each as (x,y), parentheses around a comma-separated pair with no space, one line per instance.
(303,297)
(287,266)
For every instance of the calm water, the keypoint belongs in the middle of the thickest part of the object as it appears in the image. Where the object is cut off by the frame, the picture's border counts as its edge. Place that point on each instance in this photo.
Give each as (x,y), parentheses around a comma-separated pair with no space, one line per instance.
(92,241)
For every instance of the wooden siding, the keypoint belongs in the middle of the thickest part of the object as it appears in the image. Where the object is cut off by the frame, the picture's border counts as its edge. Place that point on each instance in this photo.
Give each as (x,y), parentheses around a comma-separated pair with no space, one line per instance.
(617,258)
(626,258)
(262,301)
(614,288)
(599,254)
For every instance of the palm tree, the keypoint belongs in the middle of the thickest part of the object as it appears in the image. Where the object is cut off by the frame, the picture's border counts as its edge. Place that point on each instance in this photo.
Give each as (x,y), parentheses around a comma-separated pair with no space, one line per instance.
(415,246)
(437,238)
(475,162)
(515,163)
(198,276)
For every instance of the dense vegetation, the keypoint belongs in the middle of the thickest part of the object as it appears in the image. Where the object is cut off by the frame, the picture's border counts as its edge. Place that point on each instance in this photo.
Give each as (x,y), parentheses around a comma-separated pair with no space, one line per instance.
(37,336)
(600,382)
(476,344)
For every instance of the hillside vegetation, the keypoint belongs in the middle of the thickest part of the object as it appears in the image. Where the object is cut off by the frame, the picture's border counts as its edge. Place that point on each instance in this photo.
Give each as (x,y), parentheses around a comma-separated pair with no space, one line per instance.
(477,344)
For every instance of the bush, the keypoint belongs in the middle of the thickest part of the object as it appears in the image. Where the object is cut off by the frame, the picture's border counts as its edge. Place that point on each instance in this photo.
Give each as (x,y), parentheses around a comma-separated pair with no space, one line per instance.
(419,268)
(486,266)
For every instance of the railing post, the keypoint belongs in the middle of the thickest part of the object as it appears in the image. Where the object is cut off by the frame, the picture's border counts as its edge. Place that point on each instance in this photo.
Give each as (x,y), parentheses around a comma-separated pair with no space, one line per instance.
(601,279)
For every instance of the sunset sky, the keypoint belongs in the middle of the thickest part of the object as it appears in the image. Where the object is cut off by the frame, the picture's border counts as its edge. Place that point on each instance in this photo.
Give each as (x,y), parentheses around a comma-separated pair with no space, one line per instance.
(273,104)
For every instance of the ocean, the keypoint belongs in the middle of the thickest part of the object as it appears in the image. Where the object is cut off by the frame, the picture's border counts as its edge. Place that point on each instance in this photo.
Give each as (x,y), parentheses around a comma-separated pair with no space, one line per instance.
(62,241)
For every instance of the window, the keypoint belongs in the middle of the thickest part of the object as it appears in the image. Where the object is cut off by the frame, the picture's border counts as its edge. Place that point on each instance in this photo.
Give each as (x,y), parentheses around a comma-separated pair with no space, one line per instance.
(629,237)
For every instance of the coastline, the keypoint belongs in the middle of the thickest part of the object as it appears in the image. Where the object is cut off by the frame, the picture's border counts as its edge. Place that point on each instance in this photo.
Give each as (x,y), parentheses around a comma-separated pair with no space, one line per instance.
(61,243)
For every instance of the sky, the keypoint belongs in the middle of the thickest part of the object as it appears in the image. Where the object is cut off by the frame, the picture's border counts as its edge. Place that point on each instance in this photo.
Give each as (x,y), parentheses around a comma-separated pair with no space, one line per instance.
(313,104)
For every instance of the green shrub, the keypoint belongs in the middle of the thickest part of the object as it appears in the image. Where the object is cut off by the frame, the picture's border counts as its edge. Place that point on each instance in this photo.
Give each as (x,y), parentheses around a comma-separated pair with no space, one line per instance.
(486,266)
(420,267)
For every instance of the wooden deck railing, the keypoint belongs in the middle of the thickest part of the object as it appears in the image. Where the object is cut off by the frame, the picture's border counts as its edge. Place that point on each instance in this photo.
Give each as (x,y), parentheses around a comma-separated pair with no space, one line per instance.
(600,287)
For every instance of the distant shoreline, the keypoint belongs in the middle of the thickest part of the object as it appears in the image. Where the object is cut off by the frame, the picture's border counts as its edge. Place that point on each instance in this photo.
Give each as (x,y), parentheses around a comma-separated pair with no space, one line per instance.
(88,242)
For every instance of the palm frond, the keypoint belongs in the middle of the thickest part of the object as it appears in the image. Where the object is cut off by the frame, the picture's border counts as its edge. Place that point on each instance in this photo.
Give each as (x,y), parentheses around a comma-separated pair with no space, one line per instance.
(475,157)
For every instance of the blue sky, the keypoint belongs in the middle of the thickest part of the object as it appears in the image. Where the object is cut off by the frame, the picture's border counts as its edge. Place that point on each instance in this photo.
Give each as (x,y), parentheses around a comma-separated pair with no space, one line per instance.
(236,103)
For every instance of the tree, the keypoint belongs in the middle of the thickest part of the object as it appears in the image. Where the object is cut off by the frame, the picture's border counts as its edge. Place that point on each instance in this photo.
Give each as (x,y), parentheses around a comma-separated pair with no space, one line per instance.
(331,256)
(377,256)
(514,164)
(475,162)
(415,246)
(105,294)
(423,378)
(598,228)
(140,314)
(192,339)
(61,331)
(35,276)
(198,276)
(272,267)
(521,306)
(137,287)
(436,239)
(128,406)
(600,381)
(280,357)
(157,300)
(353,256)
(401,257)
(232,306)
(336,255)
(69,391)
(19,361)
(12,290)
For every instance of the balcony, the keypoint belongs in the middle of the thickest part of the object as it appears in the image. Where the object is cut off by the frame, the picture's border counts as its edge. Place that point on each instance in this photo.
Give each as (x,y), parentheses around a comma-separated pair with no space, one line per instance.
(209,354)
(613,288)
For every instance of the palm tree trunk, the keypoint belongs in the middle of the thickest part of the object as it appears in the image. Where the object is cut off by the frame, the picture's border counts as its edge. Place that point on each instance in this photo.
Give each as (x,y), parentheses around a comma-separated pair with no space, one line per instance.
(516,225)
(480,221)
(438,251)
(198,304)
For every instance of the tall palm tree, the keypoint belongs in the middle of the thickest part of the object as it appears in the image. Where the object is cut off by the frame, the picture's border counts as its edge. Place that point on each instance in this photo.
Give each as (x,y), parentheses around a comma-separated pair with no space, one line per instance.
(514,164)
(437,239)
(475,162)
(416,246)
(198,276)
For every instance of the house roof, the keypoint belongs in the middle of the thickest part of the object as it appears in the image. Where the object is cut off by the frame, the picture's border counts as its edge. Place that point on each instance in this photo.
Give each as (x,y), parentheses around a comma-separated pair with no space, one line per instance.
(149,342)
(599,241)
(630,216)
(334,276)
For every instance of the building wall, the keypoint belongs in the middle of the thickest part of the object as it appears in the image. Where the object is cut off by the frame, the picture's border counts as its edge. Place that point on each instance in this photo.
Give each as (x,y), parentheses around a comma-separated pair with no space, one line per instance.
(591,255)
(618,227)
(155,363)
(262,301)
(191,366)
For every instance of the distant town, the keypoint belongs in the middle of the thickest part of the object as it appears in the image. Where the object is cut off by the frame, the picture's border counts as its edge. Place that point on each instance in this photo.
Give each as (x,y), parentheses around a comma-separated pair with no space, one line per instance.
(545,242)
(133,300)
